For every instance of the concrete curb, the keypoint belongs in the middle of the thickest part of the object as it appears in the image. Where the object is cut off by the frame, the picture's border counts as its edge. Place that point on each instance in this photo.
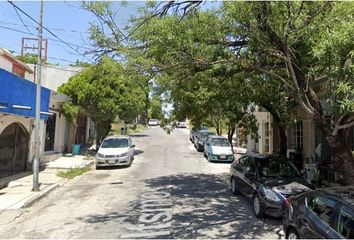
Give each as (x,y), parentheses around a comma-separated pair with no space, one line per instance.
(38,196)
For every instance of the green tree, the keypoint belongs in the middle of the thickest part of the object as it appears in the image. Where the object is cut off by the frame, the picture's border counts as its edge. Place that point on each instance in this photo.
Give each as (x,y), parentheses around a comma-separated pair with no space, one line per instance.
(105,90)
(155,110)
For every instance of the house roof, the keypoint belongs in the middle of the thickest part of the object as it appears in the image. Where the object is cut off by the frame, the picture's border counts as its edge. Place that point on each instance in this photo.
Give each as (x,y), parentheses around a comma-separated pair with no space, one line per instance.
(10,57)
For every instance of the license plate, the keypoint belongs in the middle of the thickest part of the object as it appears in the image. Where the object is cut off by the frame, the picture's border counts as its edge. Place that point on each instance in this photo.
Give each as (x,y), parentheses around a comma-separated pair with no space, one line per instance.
(112,161)
(222,156)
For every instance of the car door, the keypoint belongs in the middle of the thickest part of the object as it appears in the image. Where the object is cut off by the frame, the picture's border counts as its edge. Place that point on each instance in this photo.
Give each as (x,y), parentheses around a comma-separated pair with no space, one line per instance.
(241,175)
(238,173)
(250,178)
(344,226)
(319,215)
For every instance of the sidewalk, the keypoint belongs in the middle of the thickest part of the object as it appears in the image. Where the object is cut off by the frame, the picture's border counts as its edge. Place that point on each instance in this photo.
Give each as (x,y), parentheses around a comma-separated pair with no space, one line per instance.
(18,188)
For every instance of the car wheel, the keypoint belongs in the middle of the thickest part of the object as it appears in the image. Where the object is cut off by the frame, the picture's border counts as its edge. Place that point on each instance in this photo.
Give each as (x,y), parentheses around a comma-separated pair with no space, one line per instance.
(257,206)
(292,234)
(233,186)
(204,154)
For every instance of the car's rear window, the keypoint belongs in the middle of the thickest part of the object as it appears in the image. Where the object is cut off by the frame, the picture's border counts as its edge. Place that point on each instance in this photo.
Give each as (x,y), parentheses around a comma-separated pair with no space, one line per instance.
(115,143)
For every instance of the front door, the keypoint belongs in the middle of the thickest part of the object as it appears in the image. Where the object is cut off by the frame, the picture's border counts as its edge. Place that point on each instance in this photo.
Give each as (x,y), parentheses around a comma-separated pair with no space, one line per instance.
(50,133)
(14,141)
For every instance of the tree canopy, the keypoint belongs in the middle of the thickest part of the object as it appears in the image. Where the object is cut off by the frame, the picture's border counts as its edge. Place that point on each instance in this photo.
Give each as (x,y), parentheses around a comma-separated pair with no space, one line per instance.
(106,91)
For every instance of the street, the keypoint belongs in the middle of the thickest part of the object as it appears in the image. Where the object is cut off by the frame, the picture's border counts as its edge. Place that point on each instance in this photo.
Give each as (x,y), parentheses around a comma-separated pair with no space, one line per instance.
(170,191)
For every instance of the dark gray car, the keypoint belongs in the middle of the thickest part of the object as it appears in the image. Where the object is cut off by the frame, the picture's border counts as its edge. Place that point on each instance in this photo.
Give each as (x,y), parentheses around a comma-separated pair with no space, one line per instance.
(324,213)
(267,181)
(200,139)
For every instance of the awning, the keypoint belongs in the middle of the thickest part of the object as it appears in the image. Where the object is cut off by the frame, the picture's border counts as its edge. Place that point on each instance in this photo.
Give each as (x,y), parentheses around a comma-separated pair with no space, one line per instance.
(18,96)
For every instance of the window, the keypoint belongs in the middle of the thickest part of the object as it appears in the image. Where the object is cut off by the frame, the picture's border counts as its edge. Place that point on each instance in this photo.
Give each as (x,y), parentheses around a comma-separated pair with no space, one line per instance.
(323,207)
(346,223)
(248,164)
(299,135)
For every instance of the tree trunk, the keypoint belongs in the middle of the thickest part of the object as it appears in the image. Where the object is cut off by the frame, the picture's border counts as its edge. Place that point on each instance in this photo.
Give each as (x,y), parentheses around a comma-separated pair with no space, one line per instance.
(344,161)
(230,134)
(283,141)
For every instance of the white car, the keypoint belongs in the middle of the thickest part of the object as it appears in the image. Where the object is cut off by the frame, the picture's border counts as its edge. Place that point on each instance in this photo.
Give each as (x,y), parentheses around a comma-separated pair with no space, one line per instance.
(182,125)
(153,122)
(218,148)
(115,151)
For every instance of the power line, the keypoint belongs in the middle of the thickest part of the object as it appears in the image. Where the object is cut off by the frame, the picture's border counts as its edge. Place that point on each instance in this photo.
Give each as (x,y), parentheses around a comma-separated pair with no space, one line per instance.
(52,28)
(53,34)
(52,39)
(22,21)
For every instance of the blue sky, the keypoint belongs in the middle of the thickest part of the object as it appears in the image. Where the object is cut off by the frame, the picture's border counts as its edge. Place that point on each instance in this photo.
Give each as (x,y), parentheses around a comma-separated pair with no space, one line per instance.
(64,18)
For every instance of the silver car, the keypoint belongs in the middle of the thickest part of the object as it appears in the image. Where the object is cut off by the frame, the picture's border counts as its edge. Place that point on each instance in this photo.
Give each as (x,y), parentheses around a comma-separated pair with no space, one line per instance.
(115,151)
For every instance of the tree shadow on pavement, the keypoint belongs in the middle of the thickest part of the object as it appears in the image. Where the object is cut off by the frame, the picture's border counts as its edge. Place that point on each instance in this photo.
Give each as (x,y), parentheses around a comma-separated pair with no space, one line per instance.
(205,208)
(139,135)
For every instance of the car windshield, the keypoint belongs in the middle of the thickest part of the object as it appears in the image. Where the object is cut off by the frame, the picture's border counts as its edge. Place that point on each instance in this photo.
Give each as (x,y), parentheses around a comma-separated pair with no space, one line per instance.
(220,142)
(115,143)
(278,167)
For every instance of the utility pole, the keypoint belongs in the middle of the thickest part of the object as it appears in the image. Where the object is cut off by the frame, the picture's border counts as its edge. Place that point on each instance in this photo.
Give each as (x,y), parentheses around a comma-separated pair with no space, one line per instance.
(37,153)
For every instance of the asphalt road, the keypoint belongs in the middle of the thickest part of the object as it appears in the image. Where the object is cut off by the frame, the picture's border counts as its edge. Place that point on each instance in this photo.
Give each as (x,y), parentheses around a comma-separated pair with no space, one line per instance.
(170,191)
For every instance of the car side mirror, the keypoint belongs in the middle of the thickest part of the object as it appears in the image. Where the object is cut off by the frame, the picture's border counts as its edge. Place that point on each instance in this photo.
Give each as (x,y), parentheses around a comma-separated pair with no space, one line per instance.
(133,145)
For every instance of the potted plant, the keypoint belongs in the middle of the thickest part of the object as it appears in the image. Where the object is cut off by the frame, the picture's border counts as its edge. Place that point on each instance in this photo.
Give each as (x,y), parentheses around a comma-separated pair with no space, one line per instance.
(70,111)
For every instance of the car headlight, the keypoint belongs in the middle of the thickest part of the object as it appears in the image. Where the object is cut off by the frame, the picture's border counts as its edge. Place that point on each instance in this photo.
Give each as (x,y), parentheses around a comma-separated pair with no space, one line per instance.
(271,195)
(100,155)
(124,154)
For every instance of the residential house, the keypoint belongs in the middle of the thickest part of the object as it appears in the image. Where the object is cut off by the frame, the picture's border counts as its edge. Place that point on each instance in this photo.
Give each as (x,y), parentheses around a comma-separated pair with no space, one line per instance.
(59,135)
(17,115)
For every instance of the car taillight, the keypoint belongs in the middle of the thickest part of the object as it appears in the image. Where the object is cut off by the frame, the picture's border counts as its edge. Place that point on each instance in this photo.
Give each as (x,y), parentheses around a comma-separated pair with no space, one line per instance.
(287,202)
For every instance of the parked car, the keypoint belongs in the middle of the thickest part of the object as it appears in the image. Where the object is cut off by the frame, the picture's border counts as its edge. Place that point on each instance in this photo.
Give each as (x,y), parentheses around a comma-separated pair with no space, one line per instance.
(181,124)
(115,151)
(218,148)
(153,122)
(324,213)
(200,138)
(194,131)
(268,181)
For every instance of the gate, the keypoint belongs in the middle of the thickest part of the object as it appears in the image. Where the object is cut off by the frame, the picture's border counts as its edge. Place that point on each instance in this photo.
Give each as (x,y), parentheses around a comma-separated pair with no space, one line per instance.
(14,140)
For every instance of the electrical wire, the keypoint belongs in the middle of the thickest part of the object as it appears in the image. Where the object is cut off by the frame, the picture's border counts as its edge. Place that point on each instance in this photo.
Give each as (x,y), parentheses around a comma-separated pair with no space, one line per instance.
(53,34)
(52,39)
(19,16)
(55,29)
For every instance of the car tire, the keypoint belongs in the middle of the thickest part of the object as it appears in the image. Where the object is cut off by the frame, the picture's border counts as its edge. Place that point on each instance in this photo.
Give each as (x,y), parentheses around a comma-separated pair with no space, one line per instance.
(233,186)
(204,154)
(292,234)
(257,206)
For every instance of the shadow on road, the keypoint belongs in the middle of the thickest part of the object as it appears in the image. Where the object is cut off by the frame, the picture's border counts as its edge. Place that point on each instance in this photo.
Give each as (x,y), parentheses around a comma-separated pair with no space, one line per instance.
(137,152)
(205,208)
(139,135)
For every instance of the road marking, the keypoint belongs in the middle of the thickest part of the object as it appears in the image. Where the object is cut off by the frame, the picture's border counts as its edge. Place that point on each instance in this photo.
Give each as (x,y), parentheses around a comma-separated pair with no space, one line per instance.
(156,216)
